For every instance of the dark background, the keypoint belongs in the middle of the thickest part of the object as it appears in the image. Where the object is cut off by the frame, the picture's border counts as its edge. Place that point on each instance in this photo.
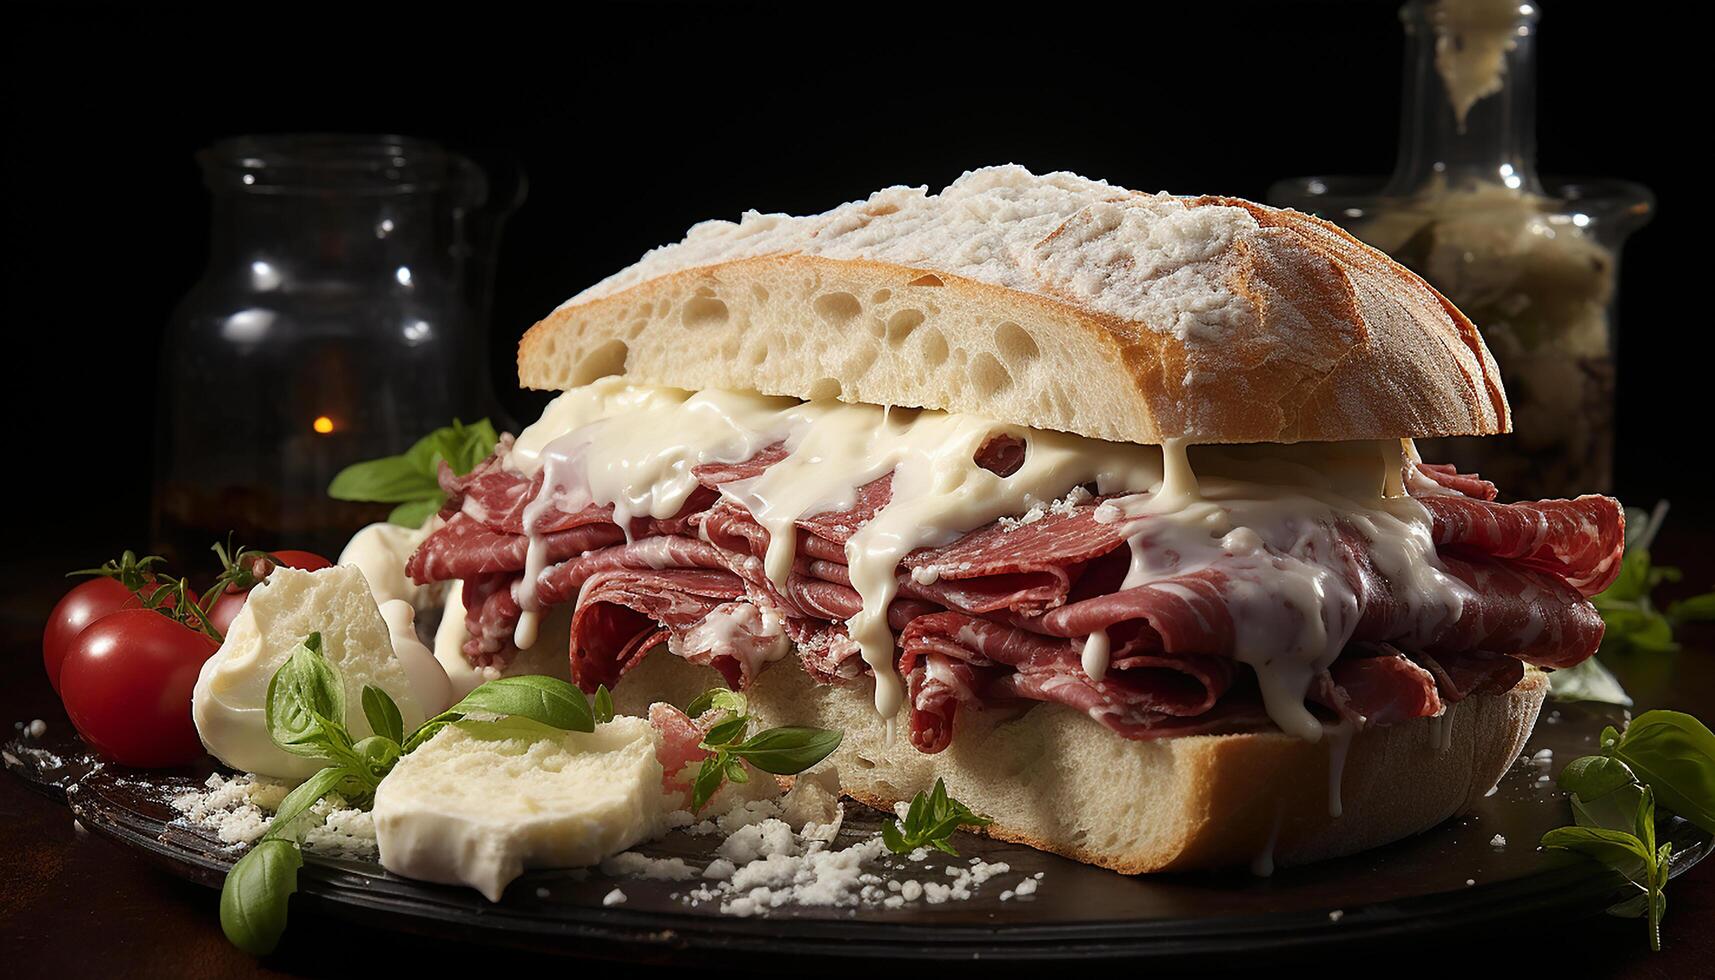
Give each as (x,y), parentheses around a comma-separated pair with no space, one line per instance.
(635,121)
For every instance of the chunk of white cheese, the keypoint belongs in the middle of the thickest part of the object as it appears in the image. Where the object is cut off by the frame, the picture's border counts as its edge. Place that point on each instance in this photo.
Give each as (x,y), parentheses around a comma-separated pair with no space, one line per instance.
(429,683)
(550,655)
(381,551)
(229,704)
(472,810)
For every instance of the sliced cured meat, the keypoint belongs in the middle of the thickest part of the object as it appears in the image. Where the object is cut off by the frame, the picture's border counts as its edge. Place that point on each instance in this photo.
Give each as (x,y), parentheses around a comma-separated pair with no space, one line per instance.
(1381,688)
(491,615)
(1579,541)
(560,583)
(680,746)
(623,613)
(1469,484)
(950,659)
(1518,612)
(1472,672)
(1000,615)
(465,548)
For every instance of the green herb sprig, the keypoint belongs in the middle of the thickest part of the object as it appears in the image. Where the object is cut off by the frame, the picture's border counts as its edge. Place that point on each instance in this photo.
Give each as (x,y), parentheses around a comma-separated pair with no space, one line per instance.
(784,751)
(930,822)
(306,717)
(1662,755)
(412,478)
(1634,623)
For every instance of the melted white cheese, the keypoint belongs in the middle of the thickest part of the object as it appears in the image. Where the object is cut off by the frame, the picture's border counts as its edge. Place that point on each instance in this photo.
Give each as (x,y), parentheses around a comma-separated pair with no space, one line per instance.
(1266,514)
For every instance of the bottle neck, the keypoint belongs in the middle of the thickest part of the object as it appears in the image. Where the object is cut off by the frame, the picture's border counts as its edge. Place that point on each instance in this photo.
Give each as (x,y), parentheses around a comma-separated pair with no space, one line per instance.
(1469,112)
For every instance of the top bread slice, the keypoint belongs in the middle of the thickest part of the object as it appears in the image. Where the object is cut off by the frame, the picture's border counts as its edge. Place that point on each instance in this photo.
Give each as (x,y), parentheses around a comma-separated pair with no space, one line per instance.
(1047,301)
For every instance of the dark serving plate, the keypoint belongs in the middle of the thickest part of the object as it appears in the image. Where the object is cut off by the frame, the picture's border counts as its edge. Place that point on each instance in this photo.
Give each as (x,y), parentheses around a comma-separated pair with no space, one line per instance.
(1449,879)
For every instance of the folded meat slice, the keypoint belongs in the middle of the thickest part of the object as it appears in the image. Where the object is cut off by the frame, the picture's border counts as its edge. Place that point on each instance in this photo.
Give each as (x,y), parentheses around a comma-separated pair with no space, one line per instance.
(466,548)
(951,658)
(1579,541)
(702,614)
(1378,685)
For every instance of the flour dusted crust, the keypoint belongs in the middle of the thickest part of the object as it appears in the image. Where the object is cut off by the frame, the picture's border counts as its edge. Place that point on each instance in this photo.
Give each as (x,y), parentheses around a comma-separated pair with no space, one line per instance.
(1054,779)
(1049,301)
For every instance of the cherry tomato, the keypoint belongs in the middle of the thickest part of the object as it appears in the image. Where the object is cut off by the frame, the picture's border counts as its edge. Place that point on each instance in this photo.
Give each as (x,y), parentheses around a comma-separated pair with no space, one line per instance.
(309,561)
(84,604)
(224,607)
(127,683)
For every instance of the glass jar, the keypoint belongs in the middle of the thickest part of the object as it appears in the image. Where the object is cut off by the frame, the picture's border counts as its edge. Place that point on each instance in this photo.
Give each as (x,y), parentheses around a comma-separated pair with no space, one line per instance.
(340,317)
(1533,262)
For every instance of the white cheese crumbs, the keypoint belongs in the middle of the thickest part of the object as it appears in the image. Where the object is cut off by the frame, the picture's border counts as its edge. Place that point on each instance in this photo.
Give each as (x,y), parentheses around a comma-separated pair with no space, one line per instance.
(542,893)
(1028,885)
(612,898)
(1545,757)
(1470,881)
(762,865)
(36,728)
(346,833)
(1497,841)
(1336,915)
(635,865)
(238,810)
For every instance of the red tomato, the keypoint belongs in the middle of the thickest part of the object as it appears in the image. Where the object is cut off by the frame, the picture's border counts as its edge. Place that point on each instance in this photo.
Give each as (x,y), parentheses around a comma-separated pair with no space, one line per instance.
(224,607)
(127,682)
(83,605)
(309,561)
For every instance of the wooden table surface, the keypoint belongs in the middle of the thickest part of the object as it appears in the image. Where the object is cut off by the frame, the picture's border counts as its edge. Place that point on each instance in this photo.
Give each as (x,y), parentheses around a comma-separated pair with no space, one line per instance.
(72,904)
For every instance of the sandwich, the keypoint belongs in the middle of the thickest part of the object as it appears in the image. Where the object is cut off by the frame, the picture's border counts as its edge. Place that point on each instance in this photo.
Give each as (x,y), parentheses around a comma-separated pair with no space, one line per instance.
(1100,506)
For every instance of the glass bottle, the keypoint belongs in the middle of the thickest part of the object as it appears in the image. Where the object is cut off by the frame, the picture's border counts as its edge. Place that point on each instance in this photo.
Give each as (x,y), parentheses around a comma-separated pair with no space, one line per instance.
(341,315)
(1532,261)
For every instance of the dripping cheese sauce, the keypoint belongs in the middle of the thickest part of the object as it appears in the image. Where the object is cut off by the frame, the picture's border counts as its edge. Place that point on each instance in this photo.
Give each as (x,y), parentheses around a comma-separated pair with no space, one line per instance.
(1267,510)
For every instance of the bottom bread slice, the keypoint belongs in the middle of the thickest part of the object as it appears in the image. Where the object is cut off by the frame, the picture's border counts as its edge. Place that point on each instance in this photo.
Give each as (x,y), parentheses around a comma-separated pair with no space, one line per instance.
(1054,779)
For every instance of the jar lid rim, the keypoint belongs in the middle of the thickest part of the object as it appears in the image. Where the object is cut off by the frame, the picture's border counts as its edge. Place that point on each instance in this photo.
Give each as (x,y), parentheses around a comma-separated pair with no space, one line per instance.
(285,163)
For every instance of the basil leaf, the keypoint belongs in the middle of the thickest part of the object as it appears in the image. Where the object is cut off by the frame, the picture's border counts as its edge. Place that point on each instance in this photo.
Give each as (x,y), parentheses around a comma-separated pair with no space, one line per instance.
(1594,776)
(603,704)
(416,513)
(1632,908)
(254,897)
(382,713)
(708,780)
(426,731)
(548,700)
(515,727)
(1696,609)
(725,732)
(891,837)
(1588,681)
(378,755)
(306,704)
(391,479)
(1616,809)
(718,697)
(287,821)
(789,751)
(735,771)
(1675,754)
(412,478)
(1615,848)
